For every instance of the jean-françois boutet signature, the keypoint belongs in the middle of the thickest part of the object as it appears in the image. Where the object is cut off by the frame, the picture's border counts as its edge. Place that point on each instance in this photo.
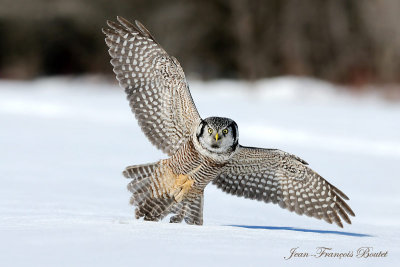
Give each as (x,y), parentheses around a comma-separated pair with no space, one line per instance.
(325,252)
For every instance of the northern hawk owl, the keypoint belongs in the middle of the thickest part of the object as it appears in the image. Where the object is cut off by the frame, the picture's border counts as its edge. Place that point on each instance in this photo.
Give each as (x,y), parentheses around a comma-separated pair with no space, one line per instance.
(202,150)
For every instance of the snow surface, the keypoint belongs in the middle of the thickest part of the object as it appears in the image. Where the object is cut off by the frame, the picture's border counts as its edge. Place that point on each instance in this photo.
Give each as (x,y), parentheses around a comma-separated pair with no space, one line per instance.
(63,200)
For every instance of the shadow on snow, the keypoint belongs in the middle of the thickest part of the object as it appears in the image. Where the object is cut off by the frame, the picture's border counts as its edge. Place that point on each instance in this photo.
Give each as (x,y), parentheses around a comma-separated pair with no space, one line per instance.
(298,230)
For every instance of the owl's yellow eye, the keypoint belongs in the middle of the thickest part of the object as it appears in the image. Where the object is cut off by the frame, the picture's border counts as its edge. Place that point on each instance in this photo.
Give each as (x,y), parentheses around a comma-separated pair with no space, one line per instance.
(225,131)
(210,131)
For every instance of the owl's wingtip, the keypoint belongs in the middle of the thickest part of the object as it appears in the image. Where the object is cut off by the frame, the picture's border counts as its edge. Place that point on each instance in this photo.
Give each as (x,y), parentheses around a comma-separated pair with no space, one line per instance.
(144,30)
(122,20)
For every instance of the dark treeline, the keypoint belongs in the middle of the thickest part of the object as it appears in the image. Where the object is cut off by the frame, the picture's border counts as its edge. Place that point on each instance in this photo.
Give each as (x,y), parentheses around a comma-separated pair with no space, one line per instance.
(348,41)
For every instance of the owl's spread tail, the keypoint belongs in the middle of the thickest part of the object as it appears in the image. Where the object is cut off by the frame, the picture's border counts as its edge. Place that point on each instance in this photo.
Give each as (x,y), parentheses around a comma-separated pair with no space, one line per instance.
(147,206)
(154,207)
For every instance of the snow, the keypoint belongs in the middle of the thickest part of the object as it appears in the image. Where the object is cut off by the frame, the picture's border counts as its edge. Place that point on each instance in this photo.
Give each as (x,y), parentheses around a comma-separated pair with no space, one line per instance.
(63,200)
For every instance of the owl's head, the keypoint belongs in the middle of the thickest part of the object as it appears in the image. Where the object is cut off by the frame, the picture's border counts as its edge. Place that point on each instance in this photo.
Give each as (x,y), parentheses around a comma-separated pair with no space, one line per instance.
(217,138)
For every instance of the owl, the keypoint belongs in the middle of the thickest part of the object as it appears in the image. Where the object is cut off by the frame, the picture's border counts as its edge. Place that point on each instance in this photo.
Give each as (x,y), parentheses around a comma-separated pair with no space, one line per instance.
(202,151)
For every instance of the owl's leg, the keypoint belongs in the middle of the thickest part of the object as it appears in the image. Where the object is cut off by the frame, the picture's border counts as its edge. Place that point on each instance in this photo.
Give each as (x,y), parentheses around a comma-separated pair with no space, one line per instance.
(189,210)
(194,211)
(179,210)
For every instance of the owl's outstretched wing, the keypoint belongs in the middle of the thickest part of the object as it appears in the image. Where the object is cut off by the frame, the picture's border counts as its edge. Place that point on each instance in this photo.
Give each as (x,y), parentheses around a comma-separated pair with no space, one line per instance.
(155,84)
(275,176)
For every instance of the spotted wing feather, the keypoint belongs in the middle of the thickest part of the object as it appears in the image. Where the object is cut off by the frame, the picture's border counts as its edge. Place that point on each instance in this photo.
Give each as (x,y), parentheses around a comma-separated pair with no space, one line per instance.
(275,176)
(155,84)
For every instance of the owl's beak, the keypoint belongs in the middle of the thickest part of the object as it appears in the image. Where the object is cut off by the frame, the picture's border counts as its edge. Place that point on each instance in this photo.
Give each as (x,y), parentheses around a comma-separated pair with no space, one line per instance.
(216,137)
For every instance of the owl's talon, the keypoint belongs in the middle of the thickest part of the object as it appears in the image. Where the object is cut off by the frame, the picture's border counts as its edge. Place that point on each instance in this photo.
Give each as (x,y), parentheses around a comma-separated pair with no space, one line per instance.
(176,219)
(189,220)
(194,221)
(181,187)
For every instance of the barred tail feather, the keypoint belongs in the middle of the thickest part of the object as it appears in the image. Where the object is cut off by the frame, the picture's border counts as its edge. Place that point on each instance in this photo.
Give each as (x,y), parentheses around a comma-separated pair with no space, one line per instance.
(155,208)
(138,172)
(147,206)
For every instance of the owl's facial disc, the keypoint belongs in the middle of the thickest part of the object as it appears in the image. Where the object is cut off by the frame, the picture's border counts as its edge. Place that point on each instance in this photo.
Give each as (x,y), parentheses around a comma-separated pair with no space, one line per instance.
(218,135)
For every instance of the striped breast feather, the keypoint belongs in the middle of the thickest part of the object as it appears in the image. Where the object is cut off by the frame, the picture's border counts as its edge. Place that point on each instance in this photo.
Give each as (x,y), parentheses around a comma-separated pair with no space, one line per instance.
(155,85)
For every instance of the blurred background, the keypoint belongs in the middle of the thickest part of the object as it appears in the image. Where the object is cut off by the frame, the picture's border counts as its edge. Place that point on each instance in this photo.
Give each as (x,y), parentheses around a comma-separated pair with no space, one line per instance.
(349,42)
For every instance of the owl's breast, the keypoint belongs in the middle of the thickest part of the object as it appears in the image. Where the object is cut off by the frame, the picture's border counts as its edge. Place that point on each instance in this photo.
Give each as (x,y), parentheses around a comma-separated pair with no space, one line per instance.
(201,169)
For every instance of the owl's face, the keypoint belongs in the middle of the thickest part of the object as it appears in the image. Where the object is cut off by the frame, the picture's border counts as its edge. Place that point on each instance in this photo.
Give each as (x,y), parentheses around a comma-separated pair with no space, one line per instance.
(218,137)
